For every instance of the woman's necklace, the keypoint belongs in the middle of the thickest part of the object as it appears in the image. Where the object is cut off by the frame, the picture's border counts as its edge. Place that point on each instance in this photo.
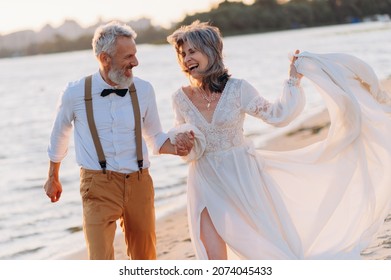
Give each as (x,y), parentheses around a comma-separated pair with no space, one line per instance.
(212,98)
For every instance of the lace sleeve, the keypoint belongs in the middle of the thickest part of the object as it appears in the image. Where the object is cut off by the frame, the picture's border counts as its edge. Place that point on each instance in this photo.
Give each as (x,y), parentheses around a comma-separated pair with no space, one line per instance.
(279,113)
(259,107)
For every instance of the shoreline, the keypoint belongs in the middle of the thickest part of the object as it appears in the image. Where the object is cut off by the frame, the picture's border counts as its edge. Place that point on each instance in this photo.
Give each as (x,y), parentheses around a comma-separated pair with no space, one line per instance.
(172,230)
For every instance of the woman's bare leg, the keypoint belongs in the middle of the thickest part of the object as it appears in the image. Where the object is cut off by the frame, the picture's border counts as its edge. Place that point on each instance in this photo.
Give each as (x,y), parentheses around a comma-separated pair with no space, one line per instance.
(214,244)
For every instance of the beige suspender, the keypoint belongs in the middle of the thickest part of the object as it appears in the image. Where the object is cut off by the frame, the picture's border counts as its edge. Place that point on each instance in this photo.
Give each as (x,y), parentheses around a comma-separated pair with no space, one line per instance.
(91,123)
(137,122)
(94,132)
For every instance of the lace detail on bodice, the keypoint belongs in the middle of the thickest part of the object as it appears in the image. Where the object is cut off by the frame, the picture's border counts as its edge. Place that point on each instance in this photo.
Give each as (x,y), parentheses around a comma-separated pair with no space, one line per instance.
(226,128)
(222,138)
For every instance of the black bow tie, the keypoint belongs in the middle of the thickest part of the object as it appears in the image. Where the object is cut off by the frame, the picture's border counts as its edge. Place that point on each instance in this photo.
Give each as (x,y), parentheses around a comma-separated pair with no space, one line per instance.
(120,92)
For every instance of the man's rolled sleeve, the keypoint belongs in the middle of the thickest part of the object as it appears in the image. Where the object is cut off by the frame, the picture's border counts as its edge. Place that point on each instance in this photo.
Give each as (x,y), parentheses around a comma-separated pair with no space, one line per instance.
(62,129)
(153,132)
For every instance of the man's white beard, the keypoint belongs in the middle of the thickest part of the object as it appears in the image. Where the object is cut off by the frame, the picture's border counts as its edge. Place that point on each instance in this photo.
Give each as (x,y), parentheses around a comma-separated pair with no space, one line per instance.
(116,76)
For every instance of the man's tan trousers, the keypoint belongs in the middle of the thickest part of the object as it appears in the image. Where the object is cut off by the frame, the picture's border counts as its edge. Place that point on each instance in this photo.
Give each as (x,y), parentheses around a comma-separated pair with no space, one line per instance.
(116,196)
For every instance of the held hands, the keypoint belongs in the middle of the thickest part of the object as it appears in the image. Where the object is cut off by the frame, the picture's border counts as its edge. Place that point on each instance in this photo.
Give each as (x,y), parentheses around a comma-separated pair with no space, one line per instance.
(293,71)
(184,143)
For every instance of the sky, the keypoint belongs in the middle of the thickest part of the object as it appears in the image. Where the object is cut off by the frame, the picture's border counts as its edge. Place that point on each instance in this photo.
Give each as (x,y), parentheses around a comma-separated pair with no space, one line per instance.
(16,15)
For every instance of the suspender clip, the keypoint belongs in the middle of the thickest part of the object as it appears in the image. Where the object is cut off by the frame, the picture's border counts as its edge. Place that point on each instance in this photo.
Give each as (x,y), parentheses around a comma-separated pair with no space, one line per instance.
(103,166)
(140,165)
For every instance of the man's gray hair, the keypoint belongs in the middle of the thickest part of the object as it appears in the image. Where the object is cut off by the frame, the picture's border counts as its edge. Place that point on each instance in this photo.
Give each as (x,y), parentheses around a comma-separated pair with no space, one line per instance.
(105,36)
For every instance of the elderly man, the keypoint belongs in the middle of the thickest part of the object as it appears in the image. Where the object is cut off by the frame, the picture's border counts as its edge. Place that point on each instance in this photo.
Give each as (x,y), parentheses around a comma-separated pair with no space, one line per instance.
(110,110)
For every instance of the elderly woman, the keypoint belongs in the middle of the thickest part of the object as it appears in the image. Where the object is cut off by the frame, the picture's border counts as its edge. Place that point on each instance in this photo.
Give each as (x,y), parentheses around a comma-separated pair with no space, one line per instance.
(324,201)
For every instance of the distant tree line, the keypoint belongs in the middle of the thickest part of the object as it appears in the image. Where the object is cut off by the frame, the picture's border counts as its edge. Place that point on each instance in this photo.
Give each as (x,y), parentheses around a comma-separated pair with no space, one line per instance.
(268,15)
(238,18)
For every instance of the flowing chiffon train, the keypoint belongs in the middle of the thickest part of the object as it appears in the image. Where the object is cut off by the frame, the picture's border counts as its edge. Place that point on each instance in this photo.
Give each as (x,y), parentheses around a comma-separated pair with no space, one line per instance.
(323,201)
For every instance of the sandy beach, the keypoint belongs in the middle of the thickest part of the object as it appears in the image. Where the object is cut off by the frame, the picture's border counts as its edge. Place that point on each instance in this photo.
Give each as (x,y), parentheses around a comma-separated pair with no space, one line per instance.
(173,241)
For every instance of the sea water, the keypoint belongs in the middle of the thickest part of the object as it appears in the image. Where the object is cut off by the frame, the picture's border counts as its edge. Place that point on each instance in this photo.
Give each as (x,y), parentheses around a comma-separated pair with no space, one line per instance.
(33,228)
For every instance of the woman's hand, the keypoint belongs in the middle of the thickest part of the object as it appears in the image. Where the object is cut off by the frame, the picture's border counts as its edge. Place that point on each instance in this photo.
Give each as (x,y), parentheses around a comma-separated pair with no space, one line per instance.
(184,143)
(293,71)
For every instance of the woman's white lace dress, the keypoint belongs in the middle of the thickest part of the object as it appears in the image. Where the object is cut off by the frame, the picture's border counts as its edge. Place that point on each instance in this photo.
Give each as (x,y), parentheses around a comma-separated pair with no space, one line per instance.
(324,201)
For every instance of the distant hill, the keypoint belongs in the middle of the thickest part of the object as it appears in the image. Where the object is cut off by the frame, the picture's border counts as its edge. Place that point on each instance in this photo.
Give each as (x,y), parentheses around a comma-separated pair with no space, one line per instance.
(70,29)
(232,18)
(27,42)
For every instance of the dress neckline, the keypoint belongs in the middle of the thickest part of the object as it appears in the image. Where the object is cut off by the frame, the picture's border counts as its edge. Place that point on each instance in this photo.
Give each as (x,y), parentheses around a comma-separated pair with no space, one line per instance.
(215,109)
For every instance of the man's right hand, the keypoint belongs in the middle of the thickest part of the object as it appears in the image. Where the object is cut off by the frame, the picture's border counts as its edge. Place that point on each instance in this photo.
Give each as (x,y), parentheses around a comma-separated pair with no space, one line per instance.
(52,186)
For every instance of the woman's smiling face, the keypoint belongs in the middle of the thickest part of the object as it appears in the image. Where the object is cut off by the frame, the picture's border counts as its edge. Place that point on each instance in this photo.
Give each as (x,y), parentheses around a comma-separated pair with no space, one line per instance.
(193,61)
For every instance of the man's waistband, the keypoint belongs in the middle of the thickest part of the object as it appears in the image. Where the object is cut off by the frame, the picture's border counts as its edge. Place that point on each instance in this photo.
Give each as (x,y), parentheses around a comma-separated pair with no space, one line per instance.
(110,173)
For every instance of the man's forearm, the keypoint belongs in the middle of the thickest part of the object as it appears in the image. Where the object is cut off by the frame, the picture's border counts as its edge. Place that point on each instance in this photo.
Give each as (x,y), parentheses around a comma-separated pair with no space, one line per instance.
(167,148)
(54,169)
